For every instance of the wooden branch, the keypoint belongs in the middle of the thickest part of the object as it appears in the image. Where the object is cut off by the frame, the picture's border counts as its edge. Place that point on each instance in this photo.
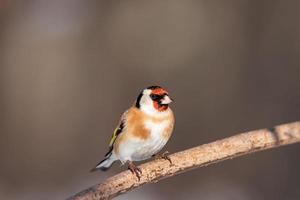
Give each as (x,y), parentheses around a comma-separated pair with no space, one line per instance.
(202,155)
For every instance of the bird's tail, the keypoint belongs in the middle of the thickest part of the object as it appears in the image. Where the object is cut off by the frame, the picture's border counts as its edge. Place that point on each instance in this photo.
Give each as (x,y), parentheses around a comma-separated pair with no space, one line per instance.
(105,164)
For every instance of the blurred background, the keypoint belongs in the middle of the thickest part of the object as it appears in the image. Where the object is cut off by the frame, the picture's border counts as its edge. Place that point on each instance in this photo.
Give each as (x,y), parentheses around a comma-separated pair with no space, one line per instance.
(69,68)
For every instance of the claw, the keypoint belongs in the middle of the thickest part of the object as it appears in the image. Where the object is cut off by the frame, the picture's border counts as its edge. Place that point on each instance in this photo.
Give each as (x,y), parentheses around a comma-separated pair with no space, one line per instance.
(134,169)
(163,156)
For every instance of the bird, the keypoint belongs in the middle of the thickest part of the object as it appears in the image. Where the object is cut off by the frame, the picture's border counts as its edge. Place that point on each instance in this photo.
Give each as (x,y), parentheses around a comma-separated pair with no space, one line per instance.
(143,130)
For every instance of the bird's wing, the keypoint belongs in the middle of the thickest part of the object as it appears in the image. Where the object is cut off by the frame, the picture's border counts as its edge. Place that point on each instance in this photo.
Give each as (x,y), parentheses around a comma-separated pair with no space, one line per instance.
(117,132)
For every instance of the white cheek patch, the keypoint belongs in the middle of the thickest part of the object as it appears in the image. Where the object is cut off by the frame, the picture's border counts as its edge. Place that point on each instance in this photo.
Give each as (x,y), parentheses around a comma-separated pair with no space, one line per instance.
(166,100)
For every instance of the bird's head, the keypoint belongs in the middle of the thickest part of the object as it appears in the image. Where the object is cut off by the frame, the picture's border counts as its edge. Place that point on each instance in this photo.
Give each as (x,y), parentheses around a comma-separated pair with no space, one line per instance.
(153,99)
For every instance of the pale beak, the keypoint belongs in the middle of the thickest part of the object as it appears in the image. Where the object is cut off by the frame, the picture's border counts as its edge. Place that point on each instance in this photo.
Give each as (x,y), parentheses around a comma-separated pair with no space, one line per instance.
(166,100)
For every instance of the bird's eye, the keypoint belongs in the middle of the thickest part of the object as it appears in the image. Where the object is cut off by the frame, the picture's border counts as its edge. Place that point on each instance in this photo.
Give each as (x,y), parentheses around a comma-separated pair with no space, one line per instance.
(155,97)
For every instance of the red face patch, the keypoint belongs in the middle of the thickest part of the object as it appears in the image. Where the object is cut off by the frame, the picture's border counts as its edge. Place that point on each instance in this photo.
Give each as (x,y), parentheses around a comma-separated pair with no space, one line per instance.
(159,107)
(159,91)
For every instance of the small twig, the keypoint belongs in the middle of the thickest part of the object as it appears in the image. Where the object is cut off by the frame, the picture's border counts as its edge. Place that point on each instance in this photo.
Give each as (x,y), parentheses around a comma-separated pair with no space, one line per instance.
(203,155)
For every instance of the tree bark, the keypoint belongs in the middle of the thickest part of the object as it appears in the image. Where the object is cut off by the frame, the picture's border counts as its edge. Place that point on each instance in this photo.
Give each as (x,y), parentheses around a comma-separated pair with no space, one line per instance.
(189,159)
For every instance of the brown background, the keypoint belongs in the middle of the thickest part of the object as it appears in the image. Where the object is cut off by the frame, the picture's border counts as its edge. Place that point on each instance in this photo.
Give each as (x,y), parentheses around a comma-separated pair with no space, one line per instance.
(68,69)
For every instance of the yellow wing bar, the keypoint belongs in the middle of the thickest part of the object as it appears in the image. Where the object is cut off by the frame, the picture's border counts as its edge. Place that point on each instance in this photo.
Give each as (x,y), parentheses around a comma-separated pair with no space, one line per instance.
(117,131)
(114,136)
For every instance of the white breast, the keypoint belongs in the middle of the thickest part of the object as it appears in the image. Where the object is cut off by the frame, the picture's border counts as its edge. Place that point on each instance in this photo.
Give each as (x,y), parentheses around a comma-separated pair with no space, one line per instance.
(137,149)
(157,129)
(140,149)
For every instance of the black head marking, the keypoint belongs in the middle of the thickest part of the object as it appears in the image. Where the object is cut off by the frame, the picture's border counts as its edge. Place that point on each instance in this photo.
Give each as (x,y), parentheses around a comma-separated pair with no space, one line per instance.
(138,100)
(156,97)
(153,87)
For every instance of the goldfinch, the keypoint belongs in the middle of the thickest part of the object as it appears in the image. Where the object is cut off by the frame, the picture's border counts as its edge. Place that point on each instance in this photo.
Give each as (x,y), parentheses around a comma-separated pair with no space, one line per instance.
(142,132)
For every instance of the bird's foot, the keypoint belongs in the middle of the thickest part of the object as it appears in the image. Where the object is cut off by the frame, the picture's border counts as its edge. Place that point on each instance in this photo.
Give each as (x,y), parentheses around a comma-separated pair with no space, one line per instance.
(134,169)
(164,156)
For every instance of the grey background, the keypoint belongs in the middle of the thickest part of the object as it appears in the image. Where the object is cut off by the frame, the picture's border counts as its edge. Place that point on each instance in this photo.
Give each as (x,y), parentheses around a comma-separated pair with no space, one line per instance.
(69,68)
